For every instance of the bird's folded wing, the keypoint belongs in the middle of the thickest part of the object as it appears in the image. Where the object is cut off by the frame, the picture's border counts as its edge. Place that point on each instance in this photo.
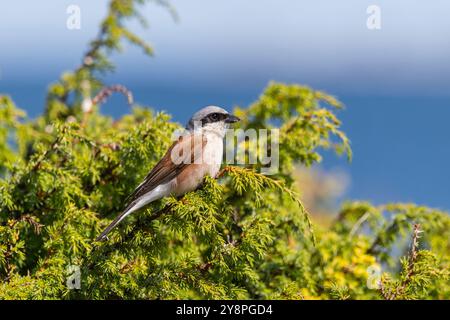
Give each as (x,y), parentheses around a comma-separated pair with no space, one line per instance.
(187,150)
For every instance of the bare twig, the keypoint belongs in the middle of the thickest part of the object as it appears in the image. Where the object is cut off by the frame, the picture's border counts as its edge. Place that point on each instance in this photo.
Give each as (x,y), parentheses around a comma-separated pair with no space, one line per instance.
(384,293)
(106,92)
(31,220)
(358,224)
(412,258)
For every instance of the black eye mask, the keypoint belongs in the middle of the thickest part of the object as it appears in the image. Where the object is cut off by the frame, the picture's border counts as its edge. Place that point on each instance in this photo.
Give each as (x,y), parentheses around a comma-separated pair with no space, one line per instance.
(214,117)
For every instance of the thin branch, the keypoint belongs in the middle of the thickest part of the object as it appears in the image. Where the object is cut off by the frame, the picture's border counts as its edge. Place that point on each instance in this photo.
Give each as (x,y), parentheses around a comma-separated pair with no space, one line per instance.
(412,258)
(106,92)
(358,223)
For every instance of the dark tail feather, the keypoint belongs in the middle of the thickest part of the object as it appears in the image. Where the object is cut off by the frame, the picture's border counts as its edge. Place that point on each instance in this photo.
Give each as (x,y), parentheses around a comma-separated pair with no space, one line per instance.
(112,225)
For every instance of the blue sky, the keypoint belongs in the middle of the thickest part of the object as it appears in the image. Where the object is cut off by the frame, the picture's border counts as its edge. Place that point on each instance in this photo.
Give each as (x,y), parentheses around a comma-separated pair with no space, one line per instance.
(394,81)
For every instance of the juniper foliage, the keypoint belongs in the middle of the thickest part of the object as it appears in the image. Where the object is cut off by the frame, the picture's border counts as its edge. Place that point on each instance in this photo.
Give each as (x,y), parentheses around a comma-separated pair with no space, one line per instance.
(66,174)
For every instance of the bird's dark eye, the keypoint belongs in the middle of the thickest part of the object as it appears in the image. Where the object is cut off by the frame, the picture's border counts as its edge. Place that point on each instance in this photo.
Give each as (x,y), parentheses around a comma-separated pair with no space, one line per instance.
(214,117)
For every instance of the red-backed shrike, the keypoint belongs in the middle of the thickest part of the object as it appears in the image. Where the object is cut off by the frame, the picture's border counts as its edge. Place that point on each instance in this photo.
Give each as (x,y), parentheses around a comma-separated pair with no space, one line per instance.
(194,155)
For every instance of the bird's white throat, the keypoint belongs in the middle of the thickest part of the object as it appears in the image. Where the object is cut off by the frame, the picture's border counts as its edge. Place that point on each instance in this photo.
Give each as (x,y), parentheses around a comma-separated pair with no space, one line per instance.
(217,128)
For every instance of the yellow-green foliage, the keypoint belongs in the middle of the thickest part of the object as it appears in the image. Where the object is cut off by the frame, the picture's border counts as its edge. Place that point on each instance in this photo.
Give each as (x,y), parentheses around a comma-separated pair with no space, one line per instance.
(66,175)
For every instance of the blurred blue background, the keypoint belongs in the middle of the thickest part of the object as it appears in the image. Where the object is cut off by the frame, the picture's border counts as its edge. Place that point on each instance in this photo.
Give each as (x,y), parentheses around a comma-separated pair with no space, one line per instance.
(394,81)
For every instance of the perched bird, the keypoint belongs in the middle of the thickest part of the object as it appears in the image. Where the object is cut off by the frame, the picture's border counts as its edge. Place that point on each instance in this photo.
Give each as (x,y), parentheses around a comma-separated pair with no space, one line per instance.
(194,155)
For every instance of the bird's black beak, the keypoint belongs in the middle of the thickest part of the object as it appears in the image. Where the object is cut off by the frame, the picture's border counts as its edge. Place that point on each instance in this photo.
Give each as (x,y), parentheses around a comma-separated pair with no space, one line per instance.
(232,119)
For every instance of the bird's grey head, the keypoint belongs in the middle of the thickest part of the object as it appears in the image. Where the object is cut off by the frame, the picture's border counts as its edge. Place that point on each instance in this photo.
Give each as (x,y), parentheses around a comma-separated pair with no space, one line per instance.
(211,118)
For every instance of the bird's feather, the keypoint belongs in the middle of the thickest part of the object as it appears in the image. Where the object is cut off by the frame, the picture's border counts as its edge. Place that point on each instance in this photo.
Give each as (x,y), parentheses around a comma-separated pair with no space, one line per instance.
(187,150)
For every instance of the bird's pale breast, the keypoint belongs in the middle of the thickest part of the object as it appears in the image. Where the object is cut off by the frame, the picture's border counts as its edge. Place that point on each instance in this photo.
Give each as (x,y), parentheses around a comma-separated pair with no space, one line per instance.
(191,177)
